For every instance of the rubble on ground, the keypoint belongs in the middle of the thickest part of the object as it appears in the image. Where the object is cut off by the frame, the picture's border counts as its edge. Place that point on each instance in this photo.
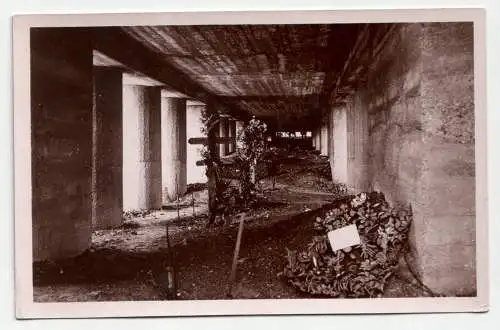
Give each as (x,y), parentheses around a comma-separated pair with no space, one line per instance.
(357,271)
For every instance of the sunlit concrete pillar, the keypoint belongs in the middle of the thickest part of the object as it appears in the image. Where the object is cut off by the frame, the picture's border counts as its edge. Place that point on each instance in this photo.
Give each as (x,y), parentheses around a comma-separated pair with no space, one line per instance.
(142,147)
(232,135)
(61,142)
(338,147)
(324,139)
(107,182)
(224,133)
(195,174)
(174,148)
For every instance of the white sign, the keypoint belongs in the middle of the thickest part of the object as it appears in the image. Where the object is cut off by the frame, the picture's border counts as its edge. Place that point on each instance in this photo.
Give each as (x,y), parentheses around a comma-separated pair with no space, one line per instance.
(344,237)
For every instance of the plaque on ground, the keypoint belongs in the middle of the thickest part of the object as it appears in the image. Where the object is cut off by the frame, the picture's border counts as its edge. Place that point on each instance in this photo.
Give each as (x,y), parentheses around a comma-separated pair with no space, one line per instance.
(344,237)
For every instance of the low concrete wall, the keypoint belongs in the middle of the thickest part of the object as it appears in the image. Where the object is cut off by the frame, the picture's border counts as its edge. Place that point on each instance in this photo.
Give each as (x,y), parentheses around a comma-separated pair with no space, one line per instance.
(410,134)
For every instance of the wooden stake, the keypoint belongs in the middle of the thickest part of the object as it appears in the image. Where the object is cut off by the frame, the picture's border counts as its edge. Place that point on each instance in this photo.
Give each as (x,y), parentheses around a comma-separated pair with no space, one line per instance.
(171,276)
(235,258)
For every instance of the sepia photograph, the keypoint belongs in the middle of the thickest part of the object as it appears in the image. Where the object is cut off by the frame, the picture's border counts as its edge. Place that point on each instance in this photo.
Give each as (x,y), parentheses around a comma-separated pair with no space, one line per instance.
(250,163)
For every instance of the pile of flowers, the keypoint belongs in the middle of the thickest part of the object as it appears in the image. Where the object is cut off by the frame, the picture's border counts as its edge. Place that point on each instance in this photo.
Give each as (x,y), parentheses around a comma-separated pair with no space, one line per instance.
(359,271)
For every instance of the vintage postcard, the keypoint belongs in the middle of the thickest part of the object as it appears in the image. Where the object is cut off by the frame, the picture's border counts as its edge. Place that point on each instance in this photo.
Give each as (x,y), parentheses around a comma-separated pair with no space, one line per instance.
(242,163)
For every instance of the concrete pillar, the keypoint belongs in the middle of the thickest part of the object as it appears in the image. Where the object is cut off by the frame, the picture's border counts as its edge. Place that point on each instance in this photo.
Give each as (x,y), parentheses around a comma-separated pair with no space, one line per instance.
(107,182)
(357,139)
(324,139)
(195,174)
(174,148)
(232,134)
(338,148)
(142,147)
(61,142)
(444,231)
(224,133)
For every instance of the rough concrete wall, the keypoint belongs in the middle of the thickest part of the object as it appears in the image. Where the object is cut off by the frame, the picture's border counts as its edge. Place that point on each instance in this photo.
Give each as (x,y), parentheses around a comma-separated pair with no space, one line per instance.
(61,117)
(447,185)
(410,134)
(195,174)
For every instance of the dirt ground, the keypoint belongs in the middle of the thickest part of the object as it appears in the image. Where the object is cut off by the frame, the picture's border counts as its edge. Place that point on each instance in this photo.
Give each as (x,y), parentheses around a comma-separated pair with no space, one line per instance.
(129,263)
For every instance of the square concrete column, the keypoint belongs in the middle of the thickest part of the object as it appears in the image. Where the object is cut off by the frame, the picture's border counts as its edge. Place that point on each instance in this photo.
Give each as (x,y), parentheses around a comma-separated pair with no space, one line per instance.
(232,134)
(174,148)
(195,174)
(61,142)
(224,133)
(107,181)
(324,140)
(142,147)
(357,142)
(444,231)
(338,148)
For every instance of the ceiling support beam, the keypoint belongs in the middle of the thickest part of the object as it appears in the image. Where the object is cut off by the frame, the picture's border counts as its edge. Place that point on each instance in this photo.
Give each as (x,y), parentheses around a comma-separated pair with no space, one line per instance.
(117,44)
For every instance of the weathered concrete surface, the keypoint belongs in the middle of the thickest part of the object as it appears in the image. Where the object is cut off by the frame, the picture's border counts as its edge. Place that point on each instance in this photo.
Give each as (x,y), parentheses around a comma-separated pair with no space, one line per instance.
(410,131)
(61,117)
(195,174)
(447,184)
(357,140)
(174,147)
(142,147)
(107,181)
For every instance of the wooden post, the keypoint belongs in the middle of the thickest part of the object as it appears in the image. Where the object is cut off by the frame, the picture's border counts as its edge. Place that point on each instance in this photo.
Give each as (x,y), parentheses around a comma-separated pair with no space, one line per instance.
(235,257)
